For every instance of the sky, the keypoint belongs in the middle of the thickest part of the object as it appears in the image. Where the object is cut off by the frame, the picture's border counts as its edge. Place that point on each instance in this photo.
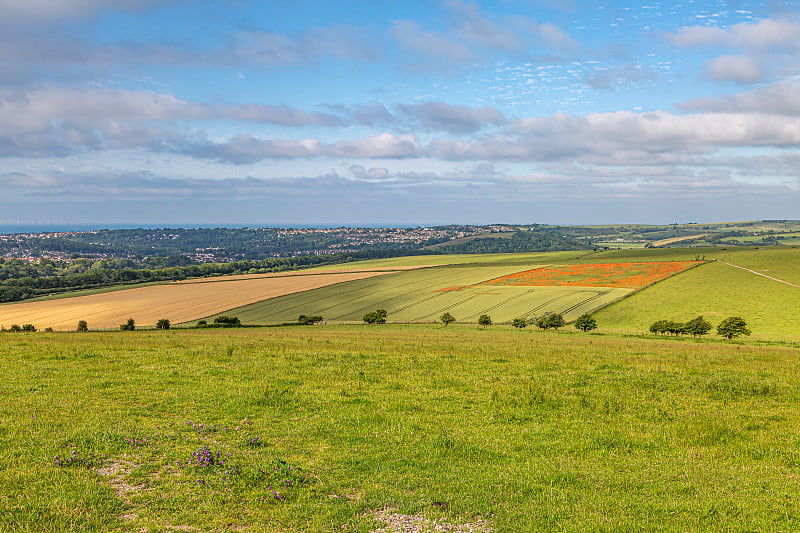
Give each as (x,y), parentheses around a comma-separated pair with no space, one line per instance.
(356,112)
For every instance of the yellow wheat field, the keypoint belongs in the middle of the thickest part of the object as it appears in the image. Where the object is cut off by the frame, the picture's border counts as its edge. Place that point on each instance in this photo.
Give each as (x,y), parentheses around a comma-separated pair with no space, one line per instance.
(178,302)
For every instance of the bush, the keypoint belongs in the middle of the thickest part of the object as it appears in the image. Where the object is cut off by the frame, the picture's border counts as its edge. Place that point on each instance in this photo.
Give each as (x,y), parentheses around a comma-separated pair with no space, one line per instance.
(28,327)
(227,321)
(732,327)
(550,320)
(130,325)
(586,322)
(163,324)
(82,326)
(484,320)
(308,320)
(519,323)
(376,317)
(697,327)
(201,322)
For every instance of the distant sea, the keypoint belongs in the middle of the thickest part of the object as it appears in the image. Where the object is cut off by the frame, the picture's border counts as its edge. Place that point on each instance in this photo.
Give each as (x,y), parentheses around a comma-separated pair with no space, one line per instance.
(6,229)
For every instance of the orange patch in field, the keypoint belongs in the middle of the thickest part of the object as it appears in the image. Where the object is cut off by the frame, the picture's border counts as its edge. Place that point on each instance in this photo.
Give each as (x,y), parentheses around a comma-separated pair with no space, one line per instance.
(453,288)
(617,275)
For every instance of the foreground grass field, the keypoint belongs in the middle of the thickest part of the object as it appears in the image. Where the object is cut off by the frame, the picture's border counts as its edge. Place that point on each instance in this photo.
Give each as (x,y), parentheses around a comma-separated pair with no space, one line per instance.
(532,431)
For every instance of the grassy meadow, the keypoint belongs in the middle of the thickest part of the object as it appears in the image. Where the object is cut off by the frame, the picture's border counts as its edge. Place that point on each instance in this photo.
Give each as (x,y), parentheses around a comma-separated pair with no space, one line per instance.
(317,428)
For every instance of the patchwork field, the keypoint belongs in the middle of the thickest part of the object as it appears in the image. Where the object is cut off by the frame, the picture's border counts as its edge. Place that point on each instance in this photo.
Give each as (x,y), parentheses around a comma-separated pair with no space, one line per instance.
(325,428)
(178,302)
(423,295)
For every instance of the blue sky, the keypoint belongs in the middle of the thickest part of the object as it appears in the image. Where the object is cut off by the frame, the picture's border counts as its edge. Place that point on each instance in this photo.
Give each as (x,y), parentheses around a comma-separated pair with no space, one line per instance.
(358,112)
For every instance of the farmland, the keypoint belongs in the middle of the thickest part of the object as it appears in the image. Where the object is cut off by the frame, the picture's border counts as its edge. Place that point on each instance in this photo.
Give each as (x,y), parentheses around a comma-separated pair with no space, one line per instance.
(423,295)
(176,301)
(525,430)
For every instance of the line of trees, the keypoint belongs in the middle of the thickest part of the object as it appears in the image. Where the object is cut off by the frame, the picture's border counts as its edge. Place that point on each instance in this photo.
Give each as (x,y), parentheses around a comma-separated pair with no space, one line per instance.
(730,328)
(21,281)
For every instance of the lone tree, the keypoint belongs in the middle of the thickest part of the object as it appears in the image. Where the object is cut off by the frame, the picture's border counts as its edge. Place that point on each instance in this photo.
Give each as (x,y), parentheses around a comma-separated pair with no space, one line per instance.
(697,327)
(162,324)
(732,327)
(130,325)
(484,320)
(586,322)
(376,317)
(519,323)
(550,320)
(82,326)
(447,318)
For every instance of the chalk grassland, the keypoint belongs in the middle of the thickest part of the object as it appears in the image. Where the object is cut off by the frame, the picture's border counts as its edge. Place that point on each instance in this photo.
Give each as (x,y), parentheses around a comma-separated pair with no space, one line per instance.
(424,295)
(714,290)
(532,431)
(178,302)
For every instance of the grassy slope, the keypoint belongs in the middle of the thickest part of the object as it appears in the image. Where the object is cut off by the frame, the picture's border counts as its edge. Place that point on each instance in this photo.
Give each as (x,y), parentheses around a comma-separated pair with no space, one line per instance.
(412,297)
(536,431)
(716,291)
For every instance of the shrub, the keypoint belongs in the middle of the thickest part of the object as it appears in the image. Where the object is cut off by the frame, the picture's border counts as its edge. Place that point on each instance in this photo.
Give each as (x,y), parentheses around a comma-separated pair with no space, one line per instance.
(447,318)
(82,326)
(376,317)
(130,325)
(163,324)
(227,321)
(519,323)
(308,320)
(550,320)
(697,327)
(732,327)
(586,322)
(28,327)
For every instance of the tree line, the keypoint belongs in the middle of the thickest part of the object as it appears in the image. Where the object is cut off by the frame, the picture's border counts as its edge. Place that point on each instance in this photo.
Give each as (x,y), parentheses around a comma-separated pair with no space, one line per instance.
(20,280)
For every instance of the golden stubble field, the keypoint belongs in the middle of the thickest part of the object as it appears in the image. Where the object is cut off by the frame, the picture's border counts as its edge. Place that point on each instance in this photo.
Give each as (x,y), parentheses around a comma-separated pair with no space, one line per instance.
(178,302)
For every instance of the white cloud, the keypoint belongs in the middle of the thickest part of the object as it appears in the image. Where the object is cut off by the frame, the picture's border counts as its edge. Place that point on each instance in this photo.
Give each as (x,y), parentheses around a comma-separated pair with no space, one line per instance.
(739,69)
(764,34)
(781,98)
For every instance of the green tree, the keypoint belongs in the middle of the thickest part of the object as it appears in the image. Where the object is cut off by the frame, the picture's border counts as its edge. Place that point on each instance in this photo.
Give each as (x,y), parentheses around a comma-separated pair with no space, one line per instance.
(15,328)
(550,320)
(28,327)
(484,320)
(659,326)
(227,322)
(308,320)
(447,318)
(519,323)
(732,327)
(82,326)
(697,327)
(130,325)
(586,322)
(376,317)
(163,324)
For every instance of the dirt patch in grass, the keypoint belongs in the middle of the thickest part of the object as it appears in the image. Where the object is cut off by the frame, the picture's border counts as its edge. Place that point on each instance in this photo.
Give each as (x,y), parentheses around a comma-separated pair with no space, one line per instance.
(403,523)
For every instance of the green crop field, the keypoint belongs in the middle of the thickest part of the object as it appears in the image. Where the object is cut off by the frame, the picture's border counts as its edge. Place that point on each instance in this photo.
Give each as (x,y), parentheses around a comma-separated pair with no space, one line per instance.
(322,428)
(418,296)
(714,290)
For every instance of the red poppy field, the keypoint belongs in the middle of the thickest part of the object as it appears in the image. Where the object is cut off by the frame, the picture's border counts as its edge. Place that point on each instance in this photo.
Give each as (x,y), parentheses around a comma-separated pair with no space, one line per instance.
(616,275)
